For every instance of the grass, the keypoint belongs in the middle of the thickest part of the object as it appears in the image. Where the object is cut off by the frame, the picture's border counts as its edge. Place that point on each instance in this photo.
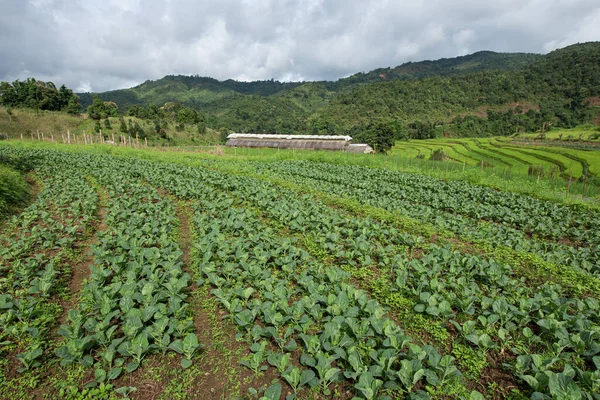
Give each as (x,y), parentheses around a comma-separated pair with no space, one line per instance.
(53,126)
(510,158)
(14,190)
(585,132)
(29,122)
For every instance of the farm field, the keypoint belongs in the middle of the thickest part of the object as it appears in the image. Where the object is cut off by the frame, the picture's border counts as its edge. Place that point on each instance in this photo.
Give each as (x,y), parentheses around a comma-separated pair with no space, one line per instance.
(176,275)
(571,160)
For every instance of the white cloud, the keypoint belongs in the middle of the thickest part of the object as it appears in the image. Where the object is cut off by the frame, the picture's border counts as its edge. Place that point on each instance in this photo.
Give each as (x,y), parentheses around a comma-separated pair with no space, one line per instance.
(586,31)
(84,86)
(117,43)
(463,40)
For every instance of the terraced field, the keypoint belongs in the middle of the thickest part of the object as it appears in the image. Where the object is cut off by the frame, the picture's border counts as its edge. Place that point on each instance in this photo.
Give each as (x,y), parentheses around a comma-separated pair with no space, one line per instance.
(552,158)
(190,278)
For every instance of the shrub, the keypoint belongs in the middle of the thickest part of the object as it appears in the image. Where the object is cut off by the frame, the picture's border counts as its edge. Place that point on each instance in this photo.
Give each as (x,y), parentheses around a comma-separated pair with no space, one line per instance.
(437,155)
(13,189)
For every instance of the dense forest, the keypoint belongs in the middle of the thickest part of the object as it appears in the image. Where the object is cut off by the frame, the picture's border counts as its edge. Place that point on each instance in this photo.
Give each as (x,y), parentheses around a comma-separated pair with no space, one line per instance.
(482,94)
(38,95)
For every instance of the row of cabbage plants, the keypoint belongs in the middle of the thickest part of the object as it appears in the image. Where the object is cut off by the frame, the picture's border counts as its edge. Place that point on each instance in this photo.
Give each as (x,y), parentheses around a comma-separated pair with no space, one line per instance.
(559,234)
(282,300)
(497,311)
(134,302)
(250,237)
(36,250)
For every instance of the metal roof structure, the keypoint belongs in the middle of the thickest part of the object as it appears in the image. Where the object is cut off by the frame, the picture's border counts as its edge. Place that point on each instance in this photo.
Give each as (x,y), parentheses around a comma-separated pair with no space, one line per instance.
(359,148)
(308,142)
(289,144)
(287,137)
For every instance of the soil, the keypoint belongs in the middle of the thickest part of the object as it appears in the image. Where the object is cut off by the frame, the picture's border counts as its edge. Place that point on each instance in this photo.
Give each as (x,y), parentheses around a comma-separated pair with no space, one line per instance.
(81,270)
(594,101)
(495,373)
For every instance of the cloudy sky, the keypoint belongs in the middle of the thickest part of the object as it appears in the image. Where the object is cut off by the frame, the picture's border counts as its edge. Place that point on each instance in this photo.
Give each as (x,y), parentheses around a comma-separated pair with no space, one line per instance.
(95,45)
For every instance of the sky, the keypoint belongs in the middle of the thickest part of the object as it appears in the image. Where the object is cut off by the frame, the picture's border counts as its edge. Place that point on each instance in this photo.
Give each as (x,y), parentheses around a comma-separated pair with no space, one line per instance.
(92,45)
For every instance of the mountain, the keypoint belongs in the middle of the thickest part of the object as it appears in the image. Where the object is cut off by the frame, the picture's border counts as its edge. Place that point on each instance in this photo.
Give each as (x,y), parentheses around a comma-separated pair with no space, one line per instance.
(190,90)
(480,61)
(484,93)
(554,88)
(197,91)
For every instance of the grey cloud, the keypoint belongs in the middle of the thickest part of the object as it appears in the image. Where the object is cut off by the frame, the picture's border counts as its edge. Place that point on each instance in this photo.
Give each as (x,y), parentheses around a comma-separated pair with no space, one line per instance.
(111,44)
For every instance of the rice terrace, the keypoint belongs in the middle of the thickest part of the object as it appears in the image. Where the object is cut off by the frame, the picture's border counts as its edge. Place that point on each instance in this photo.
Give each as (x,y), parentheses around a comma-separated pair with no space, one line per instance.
(424,231)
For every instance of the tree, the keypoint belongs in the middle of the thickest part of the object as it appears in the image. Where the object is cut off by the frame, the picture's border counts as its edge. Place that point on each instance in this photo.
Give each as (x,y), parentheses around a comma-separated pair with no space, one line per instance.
(380,135)
(111,109)
(201,128)
(38,95)
(107,124)
(102,109)
(73,105)
(123,125)
(96,110)
(383,136)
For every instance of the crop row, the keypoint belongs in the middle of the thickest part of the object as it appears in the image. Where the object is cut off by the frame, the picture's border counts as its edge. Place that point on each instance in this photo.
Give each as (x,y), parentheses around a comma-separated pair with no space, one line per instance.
(134,301)
(283,299)
(36,251)
(453,214)
(546,339)
(496,310)
(528,214)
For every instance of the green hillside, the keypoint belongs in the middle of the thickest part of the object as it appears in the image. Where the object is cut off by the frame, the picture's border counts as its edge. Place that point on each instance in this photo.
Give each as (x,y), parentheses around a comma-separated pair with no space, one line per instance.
(482,94)
(558,84)
(191,90)
(479,61)
(195,90)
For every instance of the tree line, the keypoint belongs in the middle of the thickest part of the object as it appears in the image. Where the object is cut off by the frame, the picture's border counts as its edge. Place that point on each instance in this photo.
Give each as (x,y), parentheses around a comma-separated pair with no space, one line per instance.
(38,95)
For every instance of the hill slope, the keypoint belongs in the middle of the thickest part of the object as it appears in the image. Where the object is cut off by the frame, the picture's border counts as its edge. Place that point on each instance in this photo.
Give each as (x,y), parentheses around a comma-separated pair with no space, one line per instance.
(479,61)
(423,99)
(196,91)
(190,90)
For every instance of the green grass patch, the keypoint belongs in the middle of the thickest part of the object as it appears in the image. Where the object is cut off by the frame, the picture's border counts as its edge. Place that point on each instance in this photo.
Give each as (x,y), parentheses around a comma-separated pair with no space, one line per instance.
(14,190)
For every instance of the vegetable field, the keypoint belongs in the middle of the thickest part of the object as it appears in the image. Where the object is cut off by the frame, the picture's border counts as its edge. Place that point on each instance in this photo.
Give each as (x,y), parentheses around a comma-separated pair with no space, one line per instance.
(181,277)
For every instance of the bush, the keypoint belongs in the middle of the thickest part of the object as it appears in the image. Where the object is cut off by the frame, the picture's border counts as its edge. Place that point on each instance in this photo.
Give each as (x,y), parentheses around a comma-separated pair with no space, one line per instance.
(437,155)
(14,191)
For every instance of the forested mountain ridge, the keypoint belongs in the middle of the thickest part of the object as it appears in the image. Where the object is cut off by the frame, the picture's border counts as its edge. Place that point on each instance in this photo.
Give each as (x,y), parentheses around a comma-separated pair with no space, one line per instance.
(190,90)
(483,94)
(462,65)
(551,91)
(197,91)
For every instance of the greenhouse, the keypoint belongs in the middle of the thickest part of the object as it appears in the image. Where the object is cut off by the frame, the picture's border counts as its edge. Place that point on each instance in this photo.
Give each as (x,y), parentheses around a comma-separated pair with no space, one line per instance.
(308,142)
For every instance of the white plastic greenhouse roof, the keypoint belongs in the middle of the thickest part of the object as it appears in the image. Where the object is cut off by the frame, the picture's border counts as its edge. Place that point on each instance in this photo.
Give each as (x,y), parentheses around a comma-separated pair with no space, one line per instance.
(288,137)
